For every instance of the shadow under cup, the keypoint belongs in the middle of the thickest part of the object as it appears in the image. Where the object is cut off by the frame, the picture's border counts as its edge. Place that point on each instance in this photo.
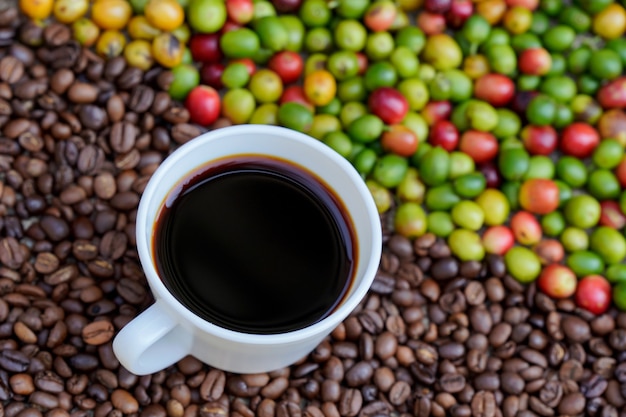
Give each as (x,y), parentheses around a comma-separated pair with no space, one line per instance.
(244,350)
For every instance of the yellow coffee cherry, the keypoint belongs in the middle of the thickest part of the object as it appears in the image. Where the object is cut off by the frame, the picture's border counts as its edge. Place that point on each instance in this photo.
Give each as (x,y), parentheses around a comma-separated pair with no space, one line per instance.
(111,43)
(138,53)
(68,11)
(36,9)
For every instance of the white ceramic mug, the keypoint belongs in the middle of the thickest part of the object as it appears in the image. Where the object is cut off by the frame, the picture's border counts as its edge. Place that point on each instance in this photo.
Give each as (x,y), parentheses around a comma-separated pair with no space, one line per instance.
(167,331)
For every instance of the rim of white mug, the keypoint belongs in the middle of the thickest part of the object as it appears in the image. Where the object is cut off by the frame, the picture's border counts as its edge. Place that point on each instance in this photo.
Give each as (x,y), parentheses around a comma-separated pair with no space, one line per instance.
(325,325)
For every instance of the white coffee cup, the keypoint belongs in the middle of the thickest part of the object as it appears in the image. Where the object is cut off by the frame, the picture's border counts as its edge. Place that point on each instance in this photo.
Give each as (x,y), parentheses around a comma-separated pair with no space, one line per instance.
(167,331)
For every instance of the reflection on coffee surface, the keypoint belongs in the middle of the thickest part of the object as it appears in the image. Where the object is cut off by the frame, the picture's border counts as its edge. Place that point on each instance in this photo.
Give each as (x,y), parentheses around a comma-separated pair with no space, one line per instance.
(255,244)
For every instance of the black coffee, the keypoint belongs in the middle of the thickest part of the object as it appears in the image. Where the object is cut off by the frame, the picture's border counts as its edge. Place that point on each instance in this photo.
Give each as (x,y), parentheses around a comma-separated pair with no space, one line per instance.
(256,245)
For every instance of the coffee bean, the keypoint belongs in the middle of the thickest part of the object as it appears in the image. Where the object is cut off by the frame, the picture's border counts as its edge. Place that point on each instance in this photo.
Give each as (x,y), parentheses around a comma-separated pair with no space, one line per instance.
(576,329)
(122,137)
(11,254)
(124,401)
(44,400)
(56,34)
(534,357)
(512,383)
(476,360)
(451,350)
(129,78)
(350,402)
(430,290)
(488,381)
(383,283)
(475,293)
(141,99)
(495,265)
(82,93)
(84,362)
(55,228)
(500,334)
(572,404)
(13,361)
(444,268)
(539,407)
(275,388)
(483,404)
(571,370)
(213,409)
(49,382)
(11,69)
(98,332)
(426,374)
(22,384)
(61,80)
(131,290)
(386,345)
(426,354)
(359,374)
(594,386)
(452,383)
(8,15)
(481,320)
(184,132)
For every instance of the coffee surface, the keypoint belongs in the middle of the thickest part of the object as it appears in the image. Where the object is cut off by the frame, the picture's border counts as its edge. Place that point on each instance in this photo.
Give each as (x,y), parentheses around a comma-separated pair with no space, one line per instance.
(255,245)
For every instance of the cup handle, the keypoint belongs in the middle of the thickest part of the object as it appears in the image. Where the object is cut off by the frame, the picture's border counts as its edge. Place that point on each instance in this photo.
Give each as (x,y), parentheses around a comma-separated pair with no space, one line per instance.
(152,341)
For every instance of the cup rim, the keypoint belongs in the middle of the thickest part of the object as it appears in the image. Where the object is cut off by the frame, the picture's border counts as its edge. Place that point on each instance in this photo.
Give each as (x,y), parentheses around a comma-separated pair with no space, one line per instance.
(323,326)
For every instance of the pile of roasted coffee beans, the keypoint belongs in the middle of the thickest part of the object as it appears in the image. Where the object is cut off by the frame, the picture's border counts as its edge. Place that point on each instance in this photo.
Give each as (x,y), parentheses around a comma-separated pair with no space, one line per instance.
(434,337)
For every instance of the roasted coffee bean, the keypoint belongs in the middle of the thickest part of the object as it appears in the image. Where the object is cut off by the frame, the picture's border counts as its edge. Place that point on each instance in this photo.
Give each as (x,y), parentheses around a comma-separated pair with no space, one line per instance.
(475,293)
(82,93)
(444,268)
(98,332)
(495,265)
(488,381)
(572,404)
(11,69)
(386,345)
(49,382)
(512,383)
(213,409)
(129,78)
(594,386)
(576,329)
(44,400)
(11,253)
(571,370)
(92,117)
(481,320)
(452,383)
(141,99)
(61,80)
(451,350)
(84,362)
(122,137)
(383,283)
(539,407)
(22,384)
(500,333)
(350,402)
(476,361)
(13,360)
(56,34)
(359,374)
(124,401)
(534,357)
(426,374)
(483,404)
